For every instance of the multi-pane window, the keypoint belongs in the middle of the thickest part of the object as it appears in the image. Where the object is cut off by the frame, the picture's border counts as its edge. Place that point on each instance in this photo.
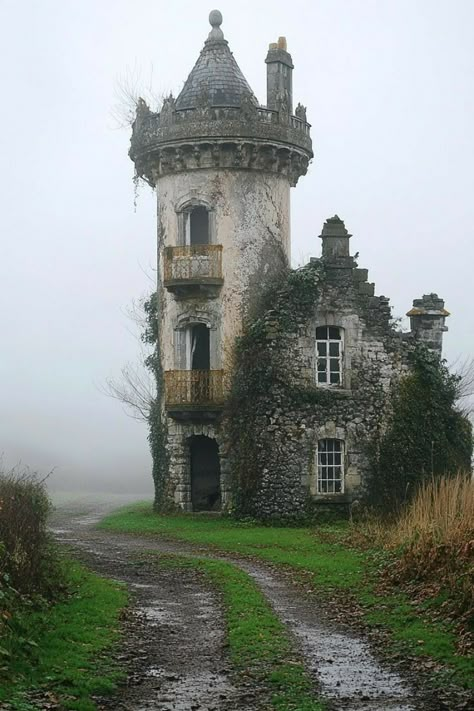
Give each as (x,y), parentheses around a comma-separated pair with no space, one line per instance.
(330,466)
(329,355)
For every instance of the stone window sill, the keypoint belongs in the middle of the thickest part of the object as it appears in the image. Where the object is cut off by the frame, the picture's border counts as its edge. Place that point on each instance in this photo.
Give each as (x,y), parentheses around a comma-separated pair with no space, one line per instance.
(344,392)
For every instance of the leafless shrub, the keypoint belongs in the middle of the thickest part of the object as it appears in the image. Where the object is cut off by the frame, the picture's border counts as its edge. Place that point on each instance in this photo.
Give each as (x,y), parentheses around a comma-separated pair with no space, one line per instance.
(129,88)
(135,387)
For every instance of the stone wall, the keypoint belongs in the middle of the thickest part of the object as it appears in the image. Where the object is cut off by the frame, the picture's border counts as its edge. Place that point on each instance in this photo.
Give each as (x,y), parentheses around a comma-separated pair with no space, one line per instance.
(295,413)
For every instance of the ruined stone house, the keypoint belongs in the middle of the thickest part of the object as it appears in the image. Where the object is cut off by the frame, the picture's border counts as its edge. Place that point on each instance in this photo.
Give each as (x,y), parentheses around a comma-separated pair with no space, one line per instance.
(223,165)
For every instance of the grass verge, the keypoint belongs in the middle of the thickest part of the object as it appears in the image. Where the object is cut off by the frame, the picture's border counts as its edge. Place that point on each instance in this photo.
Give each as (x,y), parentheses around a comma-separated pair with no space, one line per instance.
(324,557)
(66,660)
(258,643)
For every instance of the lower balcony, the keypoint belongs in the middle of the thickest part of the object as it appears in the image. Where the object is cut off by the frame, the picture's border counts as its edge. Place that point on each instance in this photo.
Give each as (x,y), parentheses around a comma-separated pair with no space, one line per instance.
(193,269)
(194,394)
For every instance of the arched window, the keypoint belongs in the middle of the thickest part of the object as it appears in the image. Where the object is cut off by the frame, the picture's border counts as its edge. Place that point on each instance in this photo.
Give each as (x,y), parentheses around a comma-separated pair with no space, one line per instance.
(329,355)
(193,347)
(330,466)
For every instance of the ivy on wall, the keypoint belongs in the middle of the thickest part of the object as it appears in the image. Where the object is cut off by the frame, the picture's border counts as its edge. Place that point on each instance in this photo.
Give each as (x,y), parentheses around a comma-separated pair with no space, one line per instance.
(157,434)
(426,435)
(263,381)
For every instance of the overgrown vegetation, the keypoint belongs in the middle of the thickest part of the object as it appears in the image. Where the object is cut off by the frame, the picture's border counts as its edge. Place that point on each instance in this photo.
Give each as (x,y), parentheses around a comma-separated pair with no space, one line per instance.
(426,435)
(67,658)
(432,549)
(26,558)
(326,558)
(156,424)
(55,618)
(30,573)
(258,643)
(262,379)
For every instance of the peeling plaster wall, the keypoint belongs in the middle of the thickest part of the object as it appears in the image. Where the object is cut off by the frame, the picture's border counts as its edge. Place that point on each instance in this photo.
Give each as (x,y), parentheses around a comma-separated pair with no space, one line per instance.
(251,220)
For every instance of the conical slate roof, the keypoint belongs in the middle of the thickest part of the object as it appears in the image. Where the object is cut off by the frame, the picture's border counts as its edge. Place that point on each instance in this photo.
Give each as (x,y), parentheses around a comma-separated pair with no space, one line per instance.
(216,79)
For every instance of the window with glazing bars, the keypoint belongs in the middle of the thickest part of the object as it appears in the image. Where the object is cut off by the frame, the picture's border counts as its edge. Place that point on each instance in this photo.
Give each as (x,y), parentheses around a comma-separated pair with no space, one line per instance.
(329,355)
(330,466)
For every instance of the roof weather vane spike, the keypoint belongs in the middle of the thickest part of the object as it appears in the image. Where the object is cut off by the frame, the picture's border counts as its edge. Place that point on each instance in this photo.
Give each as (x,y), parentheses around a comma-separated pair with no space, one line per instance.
(215,18)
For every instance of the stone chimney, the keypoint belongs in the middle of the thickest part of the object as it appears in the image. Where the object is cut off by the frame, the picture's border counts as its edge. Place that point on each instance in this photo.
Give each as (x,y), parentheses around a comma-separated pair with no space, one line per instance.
(279,76)
(335,238)
(427,321)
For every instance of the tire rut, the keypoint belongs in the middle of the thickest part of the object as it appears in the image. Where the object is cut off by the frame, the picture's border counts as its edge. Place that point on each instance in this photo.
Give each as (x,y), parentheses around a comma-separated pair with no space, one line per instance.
(346,673)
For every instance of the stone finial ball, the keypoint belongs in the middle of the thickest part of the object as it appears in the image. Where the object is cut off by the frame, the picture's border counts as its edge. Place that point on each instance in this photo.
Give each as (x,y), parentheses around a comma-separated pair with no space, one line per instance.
(215,18)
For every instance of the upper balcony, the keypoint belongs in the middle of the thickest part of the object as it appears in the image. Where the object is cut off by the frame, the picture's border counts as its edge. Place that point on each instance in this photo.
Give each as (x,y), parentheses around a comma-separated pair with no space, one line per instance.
(194,394)
(193,269)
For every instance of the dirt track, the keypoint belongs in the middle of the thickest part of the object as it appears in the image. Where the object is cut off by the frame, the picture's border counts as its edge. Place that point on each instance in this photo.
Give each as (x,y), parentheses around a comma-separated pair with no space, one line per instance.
(175,649)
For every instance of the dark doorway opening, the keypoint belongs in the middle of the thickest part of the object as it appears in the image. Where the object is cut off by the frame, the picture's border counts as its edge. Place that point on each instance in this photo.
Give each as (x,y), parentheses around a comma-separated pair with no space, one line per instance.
(205,474)
(199,226)
(200,347)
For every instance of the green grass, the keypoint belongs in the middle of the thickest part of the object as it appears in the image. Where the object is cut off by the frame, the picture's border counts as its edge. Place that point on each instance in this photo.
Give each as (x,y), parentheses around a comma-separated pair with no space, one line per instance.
(258,643)
(331,562)
(68,645)
(320,554)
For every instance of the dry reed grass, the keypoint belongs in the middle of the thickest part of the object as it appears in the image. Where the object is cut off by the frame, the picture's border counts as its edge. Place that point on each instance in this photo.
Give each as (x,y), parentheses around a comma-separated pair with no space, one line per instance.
(431,545)
(442,513)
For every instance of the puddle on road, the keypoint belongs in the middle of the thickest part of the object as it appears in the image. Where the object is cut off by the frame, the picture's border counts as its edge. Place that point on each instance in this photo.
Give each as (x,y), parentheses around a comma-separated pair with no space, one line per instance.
(205,691)
(155,614)
(346,669)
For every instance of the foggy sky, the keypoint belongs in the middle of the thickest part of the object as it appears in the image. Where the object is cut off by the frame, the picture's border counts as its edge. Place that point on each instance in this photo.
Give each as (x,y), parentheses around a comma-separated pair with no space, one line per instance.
(389,86)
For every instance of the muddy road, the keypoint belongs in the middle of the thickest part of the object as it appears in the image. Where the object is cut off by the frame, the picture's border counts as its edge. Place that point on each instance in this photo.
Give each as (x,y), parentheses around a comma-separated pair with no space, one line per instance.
(174,649)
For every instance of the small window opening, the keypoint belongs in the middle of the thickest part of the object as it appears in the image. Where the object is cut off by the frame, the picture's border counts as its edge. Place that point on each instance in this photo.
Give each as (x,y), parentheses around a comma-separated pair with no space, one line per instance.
(329,355)
(197,226)
(198,346)
(330,466)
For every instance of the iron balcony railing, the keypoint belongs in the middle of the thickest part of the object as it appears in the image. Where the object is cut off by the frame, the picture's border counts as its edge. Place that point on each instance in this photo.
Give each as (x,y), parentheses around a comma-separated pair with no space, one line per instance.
(197,263)
(194,388)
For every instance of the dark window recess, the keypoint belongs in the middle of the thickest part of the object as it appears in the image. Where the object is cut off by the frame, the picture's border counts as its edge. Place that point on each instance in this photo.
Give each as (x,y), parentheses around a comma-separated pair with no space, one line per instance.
(205,474)
(200,348)
(199,226)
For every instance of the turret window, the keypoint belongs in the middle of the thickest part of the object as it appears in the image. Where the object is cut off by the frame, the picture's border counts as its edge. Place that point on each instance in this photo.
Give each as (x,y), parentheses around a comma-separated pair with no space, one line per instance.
(197,224)
(330,466)
(329,355)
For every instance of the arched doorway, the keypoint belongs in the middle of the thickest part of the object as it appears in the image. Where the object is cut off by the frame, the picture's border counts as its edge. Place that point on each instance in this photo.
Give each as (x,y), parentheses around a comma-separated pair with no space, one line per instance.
(205,474)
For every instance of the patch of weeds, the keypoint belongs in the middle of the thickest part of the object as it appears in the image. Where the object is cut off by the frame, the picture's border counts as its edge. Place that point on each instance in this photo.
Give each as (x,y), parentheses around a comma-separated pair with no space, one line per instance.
(258,644)
(68,659)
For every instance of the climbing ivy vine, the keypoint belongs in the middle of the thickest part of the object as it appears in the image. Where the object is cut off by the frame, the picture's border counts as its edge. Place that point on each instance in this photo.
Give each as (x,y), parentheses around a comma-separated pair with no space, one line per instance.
(157,427)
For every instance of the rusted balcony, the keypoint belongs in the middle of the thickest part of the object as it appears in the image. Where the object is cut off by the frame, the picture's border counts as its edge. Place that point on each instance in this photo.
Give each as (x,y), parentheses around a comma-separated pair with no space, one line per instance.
(194,394)
(193,268)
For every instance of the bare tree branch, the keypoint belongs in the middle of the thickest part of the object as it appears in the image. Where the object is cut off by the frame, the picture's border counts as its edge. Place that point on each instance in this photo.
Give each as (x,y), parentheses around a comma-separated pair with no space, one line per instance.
(129,88)
(135,388)
(464,369)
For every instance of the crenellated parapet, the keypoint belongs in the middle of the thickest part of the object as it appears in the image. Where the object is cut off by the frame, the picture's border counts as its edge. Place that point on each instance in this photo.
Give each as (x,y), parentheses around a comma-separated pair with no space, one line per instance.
(249,137)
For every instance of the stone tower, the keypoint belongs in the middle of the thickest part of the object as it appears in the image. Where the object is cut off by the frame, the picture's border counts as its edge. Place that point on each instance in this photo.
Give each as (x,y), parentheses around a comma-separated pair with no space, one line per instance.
(222,166)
